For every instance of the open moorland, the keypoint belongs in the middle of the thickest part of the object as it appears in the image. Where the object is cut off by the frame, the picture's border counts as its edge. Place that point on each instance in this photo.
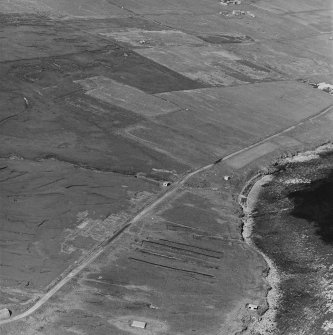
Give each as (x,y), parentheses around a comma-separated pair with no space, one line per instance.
(128,129)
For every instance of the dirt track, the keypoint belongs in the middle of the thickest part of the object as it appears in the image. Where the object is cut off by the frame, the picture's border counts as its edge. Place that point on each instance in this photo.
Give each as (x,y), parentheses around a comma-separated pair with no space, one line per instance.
(100,104)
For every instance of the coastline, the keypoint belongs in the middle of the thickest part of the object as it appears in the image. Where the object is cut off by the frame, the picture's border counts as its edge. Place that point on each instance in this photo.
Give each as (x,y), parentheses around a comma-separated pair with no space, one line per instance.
(295,251)
(266,324)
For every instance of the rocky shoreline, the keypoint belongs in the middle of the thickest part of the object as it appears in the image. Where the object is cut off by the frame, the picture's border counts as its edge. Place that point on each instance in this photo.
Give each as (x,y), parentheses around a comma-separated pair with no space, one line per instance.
(299,296)
(248,200)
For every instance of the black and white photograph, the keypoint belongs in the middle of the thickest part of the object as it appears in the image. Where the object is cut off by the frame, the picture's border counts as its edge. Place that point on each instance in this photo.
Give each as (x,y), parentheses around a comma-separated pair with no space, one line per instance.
(166,167)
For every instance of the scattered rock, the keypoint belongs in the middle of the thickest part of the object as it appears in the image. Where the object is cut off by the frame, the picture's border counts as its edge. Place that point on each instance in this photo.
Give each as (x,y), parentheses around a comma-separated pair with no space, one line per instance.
(294,181)
(250,14)
(237,12)
(151,306)
(230,2)
(14,157)
(314,85)
(327,326)
(328,88)
(26,102)
(325,87)
(226,177)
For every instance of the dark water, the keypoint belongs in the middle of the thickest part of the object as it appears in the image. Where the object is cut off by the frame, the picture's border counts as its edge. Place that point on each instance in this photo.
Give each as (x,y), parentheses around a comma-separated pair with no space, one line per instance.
(315,204)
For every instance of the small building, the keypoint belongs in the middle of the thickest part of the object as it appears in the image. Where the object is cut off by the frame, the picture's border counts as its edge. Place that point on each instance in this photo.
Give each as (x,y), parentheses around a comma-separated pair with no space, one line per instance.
(252,307)
(5,313)
(138,324)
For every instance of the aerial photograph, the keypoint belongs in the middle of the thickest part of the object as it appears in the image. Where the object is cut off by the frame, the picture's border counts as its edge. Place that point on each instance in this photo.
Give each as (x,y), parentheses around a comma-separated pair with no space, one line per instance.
(166,167)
